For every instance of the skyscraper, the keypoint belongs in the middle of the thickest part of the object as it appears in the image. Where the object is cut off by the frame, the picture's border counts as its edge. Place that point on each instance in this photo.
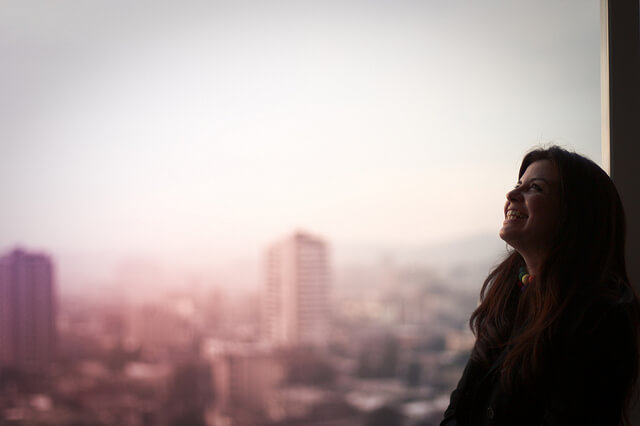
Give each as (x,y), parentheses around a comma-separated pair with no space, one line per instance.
(297,291)
(27,311)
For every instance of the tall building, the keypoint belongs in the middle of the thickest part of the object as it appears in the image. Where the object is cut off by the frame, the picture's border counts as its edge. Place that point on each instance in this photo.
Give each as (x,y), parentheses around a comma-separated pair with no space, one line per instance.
(27,311)
(297,291)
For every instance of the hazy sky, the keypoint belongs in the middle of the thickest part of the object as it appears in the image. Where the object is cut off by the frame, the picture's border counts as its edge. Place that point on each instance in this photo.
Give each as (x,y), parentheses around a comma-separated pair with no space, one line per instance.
(195,132)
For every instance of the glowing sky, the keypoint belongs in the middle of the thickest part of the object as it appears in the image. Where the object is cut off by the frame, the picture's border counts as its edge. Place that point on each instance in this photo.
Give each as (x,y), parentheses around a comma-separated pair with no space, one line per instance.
(195,132)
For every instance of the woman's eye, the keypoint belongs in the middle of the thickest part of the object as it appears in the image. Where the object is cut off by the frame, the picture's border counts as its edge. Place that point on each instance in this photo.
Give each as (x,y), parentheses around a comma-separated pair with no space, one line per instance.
(535,186)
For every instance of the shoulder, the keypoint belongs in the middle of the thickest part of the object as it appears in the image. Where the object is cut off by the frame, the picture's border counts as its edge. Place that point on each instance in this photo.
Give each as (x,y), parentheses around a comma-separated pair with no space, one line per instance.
(603,342)
(613,314)
(611,320)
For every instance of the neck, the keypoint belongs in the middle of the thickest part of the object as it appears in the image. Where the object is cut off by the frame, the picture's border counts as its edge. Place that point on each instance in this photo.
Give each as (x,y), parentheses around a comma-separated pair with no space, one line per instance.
(534,263)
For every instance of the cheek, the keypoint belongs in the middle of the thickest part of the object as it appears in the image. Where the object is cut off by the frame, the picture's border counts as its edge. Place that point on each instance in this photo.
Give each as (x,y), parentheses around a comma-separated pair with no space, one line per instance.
(541,212)
(548,214)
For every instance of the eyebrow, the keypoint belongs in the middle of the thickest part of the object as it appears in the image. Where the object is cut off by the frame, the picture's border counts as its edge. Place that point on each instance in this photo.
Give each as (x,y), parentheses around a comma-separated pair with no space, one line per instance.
(534,178)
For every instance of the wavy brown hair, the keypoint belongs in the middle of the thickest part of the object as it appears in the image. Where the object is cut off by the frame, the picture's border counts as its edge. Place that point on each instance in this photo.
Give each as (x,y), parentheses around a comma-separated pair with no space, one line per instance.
(585,267)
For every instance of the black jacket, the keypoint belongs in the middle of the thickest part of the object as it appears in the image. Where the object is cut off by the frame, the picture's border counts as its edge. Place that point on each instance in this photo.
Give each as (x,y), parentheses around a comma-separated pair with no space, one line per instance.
(586,384)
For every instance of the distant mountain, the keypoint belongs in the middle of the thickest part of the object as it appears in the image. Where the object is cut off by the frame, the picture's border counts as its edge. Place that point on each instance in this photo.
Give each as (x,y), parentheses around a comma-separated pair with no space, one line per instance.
(473,249)
(463,262)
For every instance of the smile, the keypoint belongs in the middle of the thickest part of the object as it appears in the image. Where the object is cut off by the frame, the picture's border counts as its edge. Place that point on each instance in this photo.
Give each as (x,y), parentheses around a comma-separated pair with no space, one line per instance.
(515,214)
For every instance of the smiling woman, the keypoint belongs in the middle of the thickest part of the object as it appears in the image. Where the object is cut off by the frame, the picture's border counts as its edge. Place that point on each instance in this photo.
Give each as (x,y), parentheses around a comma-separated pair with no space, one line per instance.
(557,326)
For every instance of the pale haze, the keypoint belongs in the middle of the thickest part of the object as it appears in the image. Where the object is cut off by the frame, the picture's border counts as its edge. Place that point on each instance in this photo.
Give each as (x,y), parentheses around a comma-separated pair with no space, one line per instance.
(193,134)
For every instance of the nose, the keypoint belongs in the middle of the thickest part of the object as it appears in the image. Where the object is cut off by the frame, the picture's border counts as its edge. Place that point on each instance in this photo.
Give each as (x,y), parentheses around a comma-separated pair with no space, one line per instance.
(514,194)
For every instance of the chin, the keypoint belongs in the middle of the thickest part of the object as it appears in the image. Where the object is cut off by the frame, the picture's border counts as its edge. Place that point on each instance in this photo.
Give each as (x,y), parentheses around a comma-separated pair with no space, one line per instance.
(506,236)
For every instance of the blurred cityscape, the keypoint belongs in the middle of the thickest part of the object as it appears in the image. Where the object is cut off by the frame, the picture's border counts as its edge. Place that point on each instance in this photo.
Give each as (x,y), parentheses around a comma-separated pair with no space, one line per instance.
(313,344)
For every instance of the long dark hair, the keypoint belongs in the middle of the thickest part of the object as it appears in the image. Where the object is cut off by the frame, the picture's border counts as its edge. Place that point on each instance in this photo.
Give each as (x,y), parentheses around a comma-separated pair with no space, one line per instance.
(585,266)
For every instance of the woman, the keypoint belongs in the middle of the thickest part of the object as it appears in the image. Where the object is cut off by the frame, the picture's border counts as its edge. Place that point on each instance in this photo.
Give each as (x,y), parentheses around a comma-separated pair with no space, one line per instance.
(557,324)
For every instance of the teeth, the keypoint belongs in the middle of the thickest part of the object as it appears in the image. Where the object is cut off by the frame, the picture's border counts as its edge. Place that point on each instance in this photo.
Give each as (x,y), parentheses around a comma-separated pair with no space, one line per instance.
(515,214)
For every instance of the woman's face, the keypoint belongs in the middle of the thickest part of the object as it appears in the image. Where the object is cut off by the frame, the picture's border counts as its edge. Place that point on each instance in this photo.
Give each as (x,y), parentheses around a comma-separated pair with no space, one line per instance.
(532,210)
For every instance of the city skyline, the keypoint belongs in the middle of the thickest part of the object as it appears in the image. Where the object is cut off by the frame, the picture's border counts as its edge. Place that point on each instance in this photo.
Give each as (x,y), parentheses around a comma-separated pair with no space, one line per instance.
(202,359)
